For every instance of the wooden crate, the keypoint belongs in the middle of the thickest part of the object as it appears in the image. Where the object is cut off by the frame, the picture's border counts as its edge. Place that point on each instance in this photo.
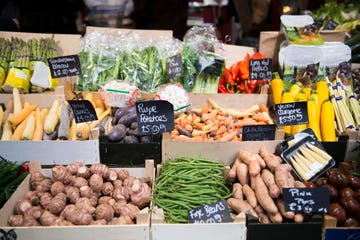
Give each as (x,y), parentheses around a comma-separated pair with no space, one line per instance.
(139,231)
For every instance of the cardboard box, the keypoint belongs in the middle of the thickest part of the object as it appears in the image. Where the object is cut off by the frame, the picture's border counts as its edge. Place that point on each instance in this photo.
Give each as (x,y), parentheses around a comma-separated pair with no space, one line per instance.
(331,232)
(139,231)
(67,44)
(234,53)
(48,152)
(220,151)
(160,230)
(225,231)
(226,152)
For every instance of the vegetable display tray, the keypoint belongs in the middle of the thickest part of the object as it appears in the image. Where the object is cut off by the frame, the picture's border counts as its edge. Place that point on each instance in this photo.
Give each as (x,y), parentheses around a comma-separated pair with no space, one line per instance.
(308,159)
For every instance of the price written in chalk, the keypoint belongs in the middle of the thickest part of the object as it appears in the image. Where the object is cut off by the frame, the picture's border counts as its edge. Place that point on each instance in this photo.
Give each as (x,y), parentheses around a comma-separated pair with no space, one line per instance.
(307,200)
(65,66)
(258,132)
(294,113)
(211,213)
(260,69)
(174,66)
(155,117)
(83,111)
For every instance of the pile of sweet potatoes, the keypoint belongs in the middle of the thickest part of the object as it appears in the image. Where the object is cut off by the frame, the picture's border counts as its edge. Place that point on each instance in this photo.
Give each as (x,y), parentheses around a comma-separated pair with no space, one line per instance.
(258,180)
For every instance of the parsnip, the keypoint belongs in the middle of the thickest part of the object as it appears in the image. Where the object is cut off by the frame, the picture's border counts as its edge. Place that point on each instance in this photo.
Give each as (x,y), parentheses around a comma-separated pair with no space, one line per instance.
(16,101)
(52,118)
(29,129)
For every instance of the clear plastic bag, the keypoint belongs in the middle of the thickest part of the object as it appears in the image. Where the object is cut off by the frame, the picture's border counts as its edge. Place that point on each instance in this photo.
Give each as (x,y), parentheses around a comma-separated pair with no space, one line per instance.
(117,93)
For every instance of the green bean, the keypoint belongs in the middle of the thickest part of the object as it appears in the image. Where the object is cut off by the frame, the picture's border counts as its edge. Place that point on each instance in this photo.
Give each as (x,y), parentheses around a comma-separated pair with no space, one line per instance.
(187,183)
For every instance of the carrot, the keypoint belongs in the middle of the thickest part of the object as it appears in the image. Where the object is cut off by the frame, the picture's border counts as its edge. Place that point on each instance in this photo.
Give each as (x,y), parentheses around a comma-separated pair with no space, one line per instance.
(16,119)
(38,133)
(228,136)
(19,130)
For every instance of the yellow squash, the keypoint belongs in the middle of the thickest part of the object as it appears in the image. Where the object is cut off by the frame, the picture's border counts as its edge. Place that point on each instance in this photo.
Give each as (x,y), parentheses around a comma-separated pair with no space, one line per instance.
(277,88)
(323,90)
(287,97)
(313,117)
(327,122)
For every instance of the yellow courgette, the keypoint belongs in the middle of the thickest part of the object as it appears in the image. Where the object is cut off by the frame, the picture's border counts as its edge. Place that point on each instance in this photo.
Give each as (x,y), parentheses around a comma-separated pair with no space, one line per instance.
(287,97)
(327,122)
(313,117)
(277,88)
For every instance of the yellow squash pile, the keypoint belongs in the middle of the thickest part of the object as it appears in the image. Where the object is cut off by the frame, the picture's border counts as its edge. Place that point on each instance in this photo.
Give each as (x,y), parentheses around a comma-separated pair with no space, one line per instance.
(321,113)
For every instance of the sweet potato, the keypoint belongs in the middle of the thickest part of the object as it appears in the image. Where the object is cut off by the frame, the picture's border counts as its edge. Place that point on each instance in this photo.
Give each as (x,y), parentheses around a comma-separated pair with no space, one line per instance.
(270,159)
(232,171)
(298,218)
(252,160)
(241,206)
(281,206)
(282,173)
(242,173)
(264,218)
(269,180)
(237,191)
(263,196)
(275,217)
(249,195)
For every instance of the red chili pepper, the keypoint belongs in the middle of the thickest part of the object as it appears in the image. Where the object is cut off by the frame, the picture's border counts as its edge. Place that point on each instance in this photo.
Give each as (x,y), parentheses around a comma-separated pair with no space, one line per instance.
(221,86)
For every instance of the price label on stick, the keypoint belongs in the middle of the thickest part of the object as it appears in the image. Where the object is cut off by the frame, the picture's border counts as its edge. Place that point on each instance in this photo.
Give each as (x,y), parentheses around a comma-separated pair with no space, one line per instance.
(83,110)
(154,117)
(174,66)
(307,200)
(294,113)
(65,66)
(258,132)
(260,69)
(212,213)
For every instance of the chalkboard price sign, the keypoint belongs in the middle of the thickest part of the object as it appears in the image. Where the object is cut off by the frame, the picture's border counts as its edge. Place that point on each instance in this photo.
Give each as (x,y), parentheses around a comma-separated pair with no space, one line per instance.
(258,132)
(174,66)
(83,111)
(331,25)
(212,213)
(307,200)
(260,69)
(154,117)
(65,66)
(294,113)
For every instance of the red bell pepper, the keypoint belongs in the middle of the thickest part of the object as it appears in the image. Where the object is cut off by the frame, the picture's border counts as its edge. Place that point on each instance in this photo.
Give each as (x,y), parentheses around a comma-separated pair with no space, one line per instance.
(236,78)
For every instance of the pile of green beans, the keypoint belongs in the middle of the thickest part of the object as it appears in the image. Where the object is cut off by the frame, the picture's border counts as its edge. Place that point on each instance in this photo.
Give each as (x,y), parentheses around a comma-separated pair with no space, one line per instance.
(187,183)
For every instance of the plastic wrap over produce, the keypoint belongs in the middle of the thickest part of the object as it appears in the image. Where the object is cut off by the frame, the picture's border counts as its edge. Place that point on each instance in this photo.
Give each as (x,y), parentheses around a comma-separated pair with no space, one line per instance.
(119,93)
(143,61)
